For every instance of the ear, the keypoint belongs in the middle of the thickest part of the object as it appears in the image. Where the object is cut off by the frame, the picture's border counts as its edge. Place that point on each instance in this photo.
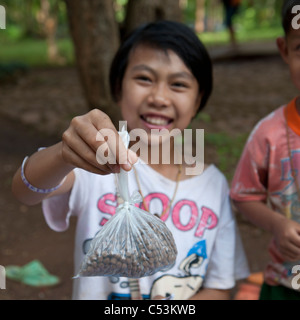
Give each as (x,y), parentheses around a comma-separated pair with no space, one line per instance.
(282,47)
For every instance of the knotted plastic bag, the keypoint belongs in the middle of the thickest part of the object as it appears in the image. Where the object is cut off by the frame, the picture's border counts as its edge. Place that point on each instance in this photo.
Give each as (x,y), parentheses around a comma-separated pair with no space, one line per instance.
(133,243)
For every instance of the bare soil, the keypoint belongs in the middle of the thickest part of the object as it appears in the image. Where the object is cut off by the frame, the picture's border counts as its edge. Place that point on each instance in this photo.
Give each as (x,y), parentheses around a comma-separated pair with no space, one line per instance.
(36,109)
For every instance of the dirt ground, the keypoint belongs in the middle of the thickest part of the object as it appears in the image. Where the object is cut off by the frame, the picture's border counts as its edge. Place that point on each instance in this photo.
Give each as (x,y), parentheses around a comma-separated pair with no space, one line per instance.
(35,111)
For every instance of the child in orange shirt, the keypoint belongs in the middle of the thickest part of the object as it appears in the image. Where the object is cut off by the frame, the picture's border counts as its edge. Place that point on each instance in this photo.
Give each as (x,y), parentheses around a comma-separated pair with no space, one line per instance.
(269,172)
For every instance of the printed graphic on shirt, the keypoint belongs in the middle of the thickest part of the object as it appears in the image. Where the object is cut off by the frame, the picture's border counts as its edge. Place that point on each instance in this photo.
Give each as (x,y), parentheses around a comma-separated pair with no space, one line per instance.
(182,287)
(290,196)
(188,282)
(179,287)
(205,219)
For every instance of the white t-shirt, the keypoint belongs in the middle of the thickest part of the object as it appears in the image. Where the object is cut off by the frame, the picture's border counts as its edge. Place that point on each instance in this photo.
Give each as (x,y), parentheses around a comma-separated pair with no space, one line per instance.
(210,252)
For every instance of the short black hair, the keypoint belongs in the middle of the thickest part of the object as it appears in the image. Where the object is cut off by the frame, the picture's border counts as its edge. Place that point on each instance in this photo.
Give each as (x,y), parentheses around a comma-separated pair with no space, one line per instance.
(165,35)
(287,15)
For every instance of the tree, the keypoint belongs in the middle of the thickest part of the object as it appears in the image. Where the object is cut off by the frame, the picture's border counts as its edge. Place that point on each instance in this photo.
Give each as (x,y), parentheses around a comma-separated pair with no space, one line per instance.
(96,38)
(47,17)
(142,11)
(200,16)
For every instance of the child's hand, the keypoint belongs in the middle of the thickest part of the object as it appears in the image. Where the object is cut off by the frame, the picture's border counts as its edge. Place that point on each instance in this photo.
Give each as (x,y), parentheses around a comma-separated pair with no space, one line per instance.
(80,145)
(287,239)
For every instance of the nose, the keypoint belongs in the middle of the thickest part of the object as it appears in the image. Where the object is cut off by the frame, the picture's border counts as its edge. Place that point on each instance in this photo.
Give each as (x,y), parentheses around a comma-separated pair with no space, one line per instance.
(159,96)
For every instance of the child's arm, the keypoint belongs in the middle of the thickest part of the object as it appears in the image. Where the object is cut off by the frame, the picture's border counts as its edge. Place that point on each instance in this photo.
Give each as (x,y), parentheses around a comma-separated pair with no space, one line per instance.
(78,149)
(211,294)
(206,294)
(44,169)
(286,232)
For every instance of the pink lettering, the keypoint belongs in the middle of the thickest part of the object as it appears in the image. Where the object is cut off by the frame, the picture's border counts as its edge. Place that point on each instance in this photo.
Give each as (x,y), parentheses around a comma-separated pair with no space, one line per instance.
(176,215)
(164,200)
(104,206)
(208,221)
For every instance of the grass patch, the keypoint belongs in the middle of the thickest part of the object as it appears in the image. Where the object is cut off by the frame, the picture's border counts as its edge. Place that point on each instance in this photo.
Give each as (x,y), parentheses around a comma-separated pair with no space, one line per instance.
(33,52)
(243,35)
(229,150)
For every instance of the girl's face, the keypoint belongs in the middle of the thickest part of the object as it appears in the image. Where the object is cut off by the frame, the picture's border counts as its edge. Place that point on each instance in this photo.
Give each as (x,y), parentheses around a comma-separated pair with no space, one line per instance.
(158,91)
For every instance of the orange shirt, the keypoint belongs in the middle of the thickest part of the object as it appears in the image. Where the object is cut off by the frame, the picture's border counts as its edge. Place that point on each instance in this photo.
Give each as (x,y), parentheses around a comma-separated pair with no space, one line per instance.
(293,117)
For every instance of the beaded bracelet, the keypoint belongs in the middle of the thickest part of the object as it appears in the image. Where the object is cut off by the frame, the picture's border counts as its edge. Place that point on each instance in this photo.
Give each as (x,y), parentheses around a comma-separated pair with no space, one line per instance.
(35,189)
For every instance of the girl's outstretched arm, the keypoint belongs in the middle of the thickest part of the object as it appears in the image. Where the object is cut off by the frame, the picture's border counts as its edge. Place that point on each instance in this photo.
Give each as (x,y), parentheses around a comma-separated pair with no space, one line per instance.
(44,169)
(78,149)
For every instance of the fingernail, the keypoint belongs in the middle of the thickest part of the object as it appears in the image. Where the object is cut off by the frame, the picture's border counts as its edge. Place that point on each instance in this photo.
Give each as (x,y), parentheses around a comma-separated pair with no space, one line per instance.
(127,166)
(132,157)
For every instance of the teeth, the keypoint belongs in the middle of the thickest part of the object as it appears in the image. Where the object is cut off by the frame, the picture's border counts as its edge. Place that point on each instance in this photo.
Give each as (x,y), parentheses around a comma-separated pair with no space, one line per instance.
(157,121)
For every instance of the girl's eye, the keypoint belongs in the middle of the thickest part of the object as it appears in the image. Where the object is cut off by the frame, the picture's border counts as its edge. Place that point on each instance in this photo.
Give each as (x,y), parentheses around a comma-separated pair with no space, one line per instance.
(179,85)
(143,78)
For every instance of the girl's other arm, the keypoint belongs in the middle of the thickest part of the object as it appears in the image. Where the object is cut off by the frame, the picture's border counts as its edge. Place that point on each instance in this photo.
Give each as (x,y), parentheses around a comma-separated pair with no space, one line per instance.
(78,149)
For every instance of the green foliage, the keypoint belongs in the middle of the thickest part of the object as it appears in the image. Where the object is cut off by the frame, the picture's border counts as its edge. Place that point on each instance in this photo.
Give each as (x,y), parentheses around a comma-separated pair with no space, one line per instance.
(33,52)
(24,41)
(255,20)
(120,9)
(228,150)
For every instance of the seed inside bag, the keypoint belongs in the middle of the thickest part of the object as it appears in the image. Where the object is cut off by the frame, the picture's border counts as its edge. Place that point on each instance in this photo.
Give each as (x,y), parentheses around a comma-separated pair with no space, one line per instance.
(148,252)
(133,243)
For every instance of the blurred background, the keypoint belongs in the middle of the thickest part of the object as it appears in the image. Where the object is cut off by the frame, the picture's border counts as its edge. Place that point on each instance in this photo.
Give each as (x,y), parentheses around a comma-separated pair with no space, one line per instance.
(54,63)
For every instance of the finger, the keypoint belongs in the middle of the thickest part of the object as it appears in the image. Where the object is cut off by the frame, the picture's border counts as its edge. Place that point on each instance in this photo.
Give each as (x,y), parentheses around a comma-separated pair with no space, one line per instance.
(103,129)
(132,157)
(106,129)
(83,150)
(295,240)
(118,153)
(79,162)
(289,257)
(291,252)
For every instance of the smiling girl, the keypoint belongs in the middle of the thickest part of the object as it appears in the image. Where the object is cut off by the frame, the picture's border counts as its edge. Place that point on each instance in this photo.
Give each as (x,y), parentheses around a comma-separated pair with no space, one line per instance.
(160,78)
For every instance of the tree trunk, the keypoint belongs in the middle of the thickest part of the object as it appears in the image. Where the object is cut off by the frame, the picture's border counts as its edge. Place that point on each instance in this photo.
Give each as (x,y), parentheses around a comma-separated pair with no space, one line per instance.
(200,16)
(96,38)
(143,11)
(48,20)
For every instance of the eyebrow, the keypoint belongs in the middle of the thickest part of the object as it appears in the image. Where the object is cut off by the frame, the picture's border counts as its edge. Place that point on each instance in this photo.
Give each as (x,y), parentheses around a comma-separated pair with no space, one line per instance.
(143,67)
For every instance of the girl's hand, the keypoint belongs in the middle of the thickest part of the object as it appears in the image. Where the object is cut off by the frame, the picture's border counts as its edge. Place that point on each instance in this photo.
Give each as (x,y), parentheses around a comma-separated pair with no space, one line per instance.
(82,140)
(287,239)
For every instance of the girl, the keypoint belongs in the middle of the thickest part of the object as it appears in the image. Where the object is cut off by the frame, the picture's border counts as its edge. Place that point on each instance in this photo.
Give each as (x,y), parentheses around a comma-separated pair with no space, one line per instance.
(160,78)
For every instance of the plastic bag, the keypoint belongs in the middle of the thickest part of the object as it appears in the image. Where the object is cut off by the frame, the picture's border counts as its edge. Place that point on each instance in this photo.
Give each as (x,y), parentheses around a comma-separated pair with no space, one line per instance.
(133,243)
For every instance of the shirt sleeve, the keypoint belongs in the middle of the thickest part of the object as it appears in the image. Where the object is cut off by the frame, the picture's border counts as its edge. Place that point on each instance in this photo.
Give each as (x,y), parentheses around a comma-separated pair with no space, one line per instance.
(228,261)
(57,210)
(251,176)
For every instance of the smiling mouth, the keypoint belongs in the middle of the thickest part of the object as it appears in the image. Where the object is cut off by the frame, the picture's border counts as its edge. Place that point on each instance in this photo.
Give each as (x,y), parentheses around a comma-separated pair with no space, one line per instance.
(156,120)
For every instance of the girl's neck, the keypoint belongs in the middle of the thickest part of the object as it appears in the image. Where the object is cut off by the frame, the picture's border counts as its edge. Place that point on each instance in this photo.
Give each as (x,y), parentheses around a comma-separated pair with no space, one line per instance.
(161,162)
